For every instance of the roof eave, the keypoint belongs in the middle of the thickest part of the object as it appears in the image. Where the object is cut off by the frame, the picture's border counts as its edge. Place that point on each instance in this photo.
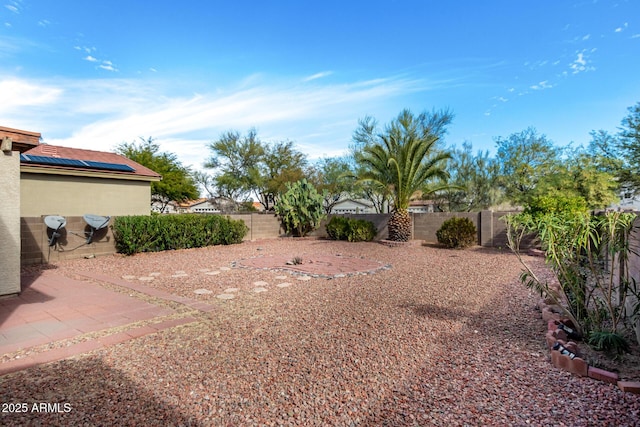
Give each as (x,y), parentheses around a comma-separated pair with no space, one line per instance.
(87,173)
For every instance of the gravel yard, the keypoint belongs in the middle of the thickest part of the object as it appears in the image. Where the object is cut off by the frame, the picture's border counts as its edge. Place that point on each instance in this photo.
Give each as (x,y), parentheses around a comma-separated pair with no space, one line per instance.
(442,338)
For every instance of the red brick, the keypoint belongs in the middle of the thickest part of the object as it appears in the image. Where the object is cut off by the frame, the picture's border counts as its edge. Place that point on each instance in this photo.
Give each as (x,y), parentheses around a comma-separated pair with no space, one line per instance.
(549,315)
(560,361)
(551,340)
(560,334)
(602,375)
(629,386)
(172,323)
(141,331)
(116,338)
(572,347)
(578,366)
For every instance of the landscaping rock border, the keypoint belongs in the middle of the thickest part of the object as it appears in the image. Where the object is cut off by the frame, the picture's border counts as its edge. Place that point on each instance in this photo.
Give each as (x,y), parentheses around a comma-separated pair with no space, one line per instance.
(576,365)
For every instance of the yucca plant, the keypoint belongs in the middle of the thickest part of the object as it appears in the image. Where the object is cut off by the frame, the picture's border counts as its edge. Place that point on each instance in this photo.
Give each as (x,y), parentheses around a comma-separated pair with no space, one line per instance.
(402,159)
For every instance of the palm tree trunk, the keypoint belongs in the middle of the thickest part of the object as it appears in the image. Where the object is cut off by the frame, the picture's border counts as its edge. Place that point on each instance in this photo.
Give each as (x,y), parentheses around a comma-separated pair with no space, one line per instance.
(399,226)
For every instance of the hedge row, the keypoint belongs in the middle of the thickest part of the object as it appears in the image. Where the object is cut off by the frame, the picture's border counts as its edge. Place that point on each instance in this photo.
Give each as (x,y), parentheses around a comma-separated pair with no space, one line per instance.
(351,229)
(134,234)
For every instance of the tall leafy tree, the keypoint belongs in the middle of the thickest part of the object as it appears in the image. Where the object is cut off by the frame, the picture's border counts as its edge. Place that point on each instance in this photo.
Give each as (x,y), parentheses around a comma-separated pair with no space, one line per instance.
(333,178)
(177,182)
(245,166)
(524,159)
(580,175)
(236,159)
(402,158)
(629,148)
(473,183)
(281,163)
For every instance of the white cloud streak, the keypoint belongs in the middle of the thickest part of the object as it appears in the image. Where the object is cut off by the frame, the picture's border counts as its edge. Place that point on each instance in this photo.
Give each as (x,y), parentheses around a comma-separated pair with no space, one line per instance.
(622,28)
(541,86)
(100,114)
(317,76)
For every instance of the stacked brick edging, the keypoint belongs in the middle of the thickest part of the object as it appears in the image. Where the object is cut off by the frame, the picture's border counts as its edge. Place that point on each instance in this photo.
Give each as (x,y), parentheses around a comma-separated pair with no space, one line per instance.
(577,365)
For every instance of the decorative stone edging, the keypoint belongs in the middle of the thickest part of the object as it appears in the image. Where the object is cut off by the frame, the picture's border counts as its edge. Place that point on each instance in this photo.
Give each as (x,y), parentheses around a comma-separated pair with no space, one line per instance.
(303,275)
(576,365)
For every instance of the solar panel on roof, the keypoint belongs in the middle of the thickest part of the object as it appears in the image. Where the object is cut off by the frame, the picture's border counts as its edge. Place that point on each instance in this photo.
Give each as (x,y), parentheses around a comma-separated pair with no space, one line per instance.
(88,164)
(110,166)
(56,161)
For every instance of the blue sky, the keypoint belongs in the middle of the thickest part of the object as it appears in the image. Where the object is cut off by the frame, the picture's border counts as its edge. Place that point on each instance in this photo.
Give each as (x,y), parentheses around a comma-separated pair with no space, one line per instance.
(93,74)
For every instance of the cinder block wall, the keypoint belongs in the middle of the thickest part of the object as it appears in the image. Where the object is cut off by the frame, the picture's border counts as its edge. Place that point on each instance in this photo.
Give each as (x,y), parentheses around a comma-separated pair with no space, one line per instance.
(261,226)
(425,225)
(10,223)
(634,272)
(35,235)
(70,245)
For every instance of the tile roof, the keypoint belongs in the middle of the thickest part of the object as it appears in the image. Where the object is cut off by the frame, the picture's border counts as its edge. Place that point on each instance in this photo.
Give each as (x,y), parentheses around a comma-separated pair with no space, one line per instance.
(22,139)
(55,151)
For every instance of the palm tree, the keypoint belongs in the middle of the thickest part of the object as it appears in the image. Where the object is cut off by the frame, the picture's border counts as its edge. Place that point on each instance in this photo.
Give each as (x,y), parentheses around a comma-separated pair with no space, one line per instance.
(403,159)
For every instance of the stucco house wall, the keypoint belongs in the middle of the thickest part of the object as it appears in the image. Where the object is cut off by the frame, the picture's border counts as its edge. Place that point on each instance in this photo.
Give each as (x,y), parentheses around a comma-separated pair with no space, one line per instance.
(54,194)
(10,223)
(12,143)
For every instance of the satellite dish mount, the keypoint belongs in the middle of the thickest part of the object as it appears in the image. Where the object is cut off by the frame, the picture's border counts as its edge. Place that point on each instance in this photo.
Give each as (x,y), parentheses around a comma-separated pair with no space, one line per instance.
(95,222)
(56,223)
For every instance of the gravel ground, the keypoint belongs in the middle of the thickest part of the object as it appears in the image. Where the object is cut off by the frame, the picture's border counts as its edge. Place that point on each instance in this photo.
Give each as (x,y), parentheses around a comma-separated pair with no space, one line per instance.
(441,338)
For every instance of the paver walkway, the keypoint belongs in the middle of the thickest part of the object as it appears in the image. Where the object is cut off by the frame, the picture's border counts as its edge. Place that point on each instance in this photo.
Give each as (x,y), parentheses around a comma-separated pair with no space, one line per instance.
(52,308)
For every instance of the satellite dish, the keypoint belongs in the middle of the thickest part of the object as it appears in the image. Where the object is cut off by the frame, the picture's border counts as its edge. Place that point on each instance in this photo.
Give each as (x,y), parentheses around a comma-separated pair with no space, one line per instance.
(96,222)
(55,222)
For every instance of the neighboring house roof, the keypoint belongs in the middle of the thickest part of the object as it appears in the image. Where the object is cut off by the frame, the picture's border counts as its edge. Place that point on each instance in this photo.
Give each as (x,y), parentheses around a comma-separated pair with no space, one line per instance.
(422,203)
(192,203)
(364,203)
(66,160)
(22,140)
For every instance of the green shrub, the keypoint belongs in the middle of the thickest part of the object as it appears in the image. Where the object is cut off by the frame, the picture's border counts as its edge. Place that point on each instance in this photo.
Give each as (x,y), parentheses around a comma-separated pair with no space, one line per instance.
(337,228)
(555,204)
(351,229)
(300,208)
(134,234)
(608,341)
(457,233)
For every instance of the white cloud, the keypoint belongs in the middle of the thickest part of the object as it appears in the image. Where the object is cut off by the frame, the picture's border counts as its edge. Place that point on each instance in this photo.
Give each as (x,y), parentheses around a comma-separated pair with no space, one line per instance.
(99,114)
(635,36)
(581,63)
(317,76)
(12,7)
(622,28)
(44,23)
(85,49)
(586,37)
(108,65)
(90,58)
(18,94)
(542,85)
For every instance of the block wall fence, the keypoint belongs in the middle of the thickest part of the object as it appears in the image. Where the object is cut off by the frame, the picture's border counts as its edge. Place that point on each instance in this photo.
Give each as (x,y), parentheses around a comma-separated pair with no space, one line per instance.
(634,273)
(72,244)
